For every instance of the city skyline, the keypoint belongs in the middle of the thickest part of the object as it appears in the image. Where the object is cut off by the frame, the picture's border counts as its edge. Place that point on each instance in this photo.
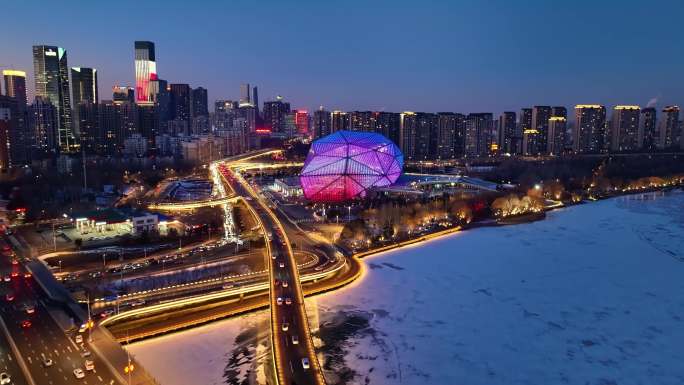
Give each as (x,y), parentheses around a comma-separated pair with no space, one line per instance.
(441,81)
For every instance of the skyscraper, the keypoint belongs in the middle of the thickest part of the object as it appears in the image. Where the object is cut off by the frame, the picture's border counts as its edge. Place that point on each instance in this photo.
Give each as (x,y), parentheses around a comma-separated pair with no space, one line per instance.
(389,125)
(447,127)
(145,72)
(5,124)
(42,120)
(83,90)
(506,132)
(245,97)
(302,122)
(648,129)
(407,140)
(91,138)
(339,120)
(524,124)
(625,128)
(51,73)
(180,102)
(200,103)
(589,133)
(668,128)
(18,136)
(274,114)
(535,140)
(321,123)
(362,121)
(479,134)
(255,100)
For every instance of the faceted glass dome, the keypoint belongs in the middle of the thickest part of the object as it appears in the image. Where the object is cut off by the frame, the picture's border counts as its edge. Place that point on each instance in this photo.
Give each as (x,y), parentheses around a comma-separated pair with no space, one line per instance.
(344,165)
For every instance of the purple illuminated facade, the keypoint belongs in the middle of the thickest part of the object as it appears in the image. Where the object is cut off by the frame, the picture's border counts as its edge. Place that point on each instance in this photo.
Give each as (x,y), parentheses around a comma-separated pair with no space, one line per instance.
(344,165)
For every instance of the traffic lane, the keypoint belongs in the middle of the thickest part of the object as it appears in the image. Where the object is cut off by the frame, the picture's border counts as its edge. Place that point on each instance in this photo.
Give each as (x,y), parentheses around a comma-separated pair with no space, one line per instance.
(44,339)
(8,362)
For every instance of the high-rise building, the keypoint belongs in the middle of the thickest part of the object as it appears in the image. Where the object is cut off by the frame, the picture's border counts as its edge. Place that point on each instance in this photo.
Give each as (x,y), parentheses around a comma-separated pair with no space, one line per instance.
(625,128)
(117,121)
(407,134)
(51,74)
(91,138)
(224,105)
(535,140)
(145,72)
(589,132)
(302,122)
(200,103)
(524,124)
(15,87)
(162,100)
(255,100)
(339,120)
(322,125)
(447,130)
(123,94)
(362,121)
(668,128)
(180,102)
(506,132)
(274,114)
(555,143)
(479,134)
(245,97)
(18,136)
(5,124)
(427,137)
(42,120)
(83,90)
(148,124)
(389,125)
(648,129)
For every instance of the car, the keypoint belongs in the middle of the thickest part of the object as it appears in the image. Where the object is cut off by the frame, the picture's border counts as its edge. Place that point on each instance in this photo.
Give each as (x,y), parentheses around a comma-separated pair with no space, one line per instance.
(79,338)
(305,363)
(85,353)
(82,328)
(28,275)
(137,303)
(276,282)
(288,301)
(295,340)
(106,313)
(26,324)
(78,373)
(15,261)
(30,309)
(9,297)
(89,365)
(15,274)
(285,326)
(47,362)
(7,278)
(285,283)
(5,379)
(281,264)
(279,301)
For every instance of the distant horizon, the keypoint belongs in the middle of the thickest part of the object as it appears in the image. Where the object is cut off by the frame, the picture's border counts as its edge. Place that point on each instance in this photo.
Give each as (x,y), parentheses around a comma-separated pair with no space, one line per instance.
(445,61)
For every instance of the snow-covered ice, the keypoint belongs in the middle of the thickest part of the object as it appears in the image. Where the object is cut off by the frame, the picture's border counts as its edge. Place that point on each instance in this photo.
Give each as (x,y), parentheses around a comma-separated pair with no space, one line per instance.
(594,294)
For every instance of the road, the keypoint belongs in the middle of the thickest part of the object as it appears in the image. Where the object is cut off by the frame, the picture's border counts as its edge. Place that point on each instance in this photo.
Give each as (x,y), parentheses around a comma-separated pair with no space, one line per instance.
(293,351)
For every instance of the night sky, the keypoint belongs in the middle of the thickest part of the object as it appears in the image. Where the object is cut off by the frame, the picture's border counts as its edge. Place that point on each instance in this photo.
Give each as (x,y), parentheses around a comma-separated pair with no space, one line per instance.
(463,56)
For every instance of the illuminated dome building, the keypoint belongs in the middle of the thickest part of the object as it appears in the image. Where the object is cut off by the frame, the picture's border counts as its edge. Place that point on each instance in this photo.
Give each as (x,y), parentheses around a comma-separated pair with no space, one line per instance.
(344,165)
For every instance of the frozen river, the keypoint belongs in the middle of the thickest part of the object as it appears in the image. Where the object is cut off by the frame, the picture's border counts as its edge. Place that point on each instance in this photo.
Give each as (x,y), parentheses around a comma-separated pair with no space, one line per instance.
(594,294)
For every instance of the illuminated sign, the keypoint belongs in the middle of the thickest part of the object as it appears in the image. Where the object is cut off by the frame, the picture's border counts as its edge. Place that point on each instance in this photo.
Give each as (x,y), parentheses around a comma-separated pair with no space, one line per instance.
(50,53)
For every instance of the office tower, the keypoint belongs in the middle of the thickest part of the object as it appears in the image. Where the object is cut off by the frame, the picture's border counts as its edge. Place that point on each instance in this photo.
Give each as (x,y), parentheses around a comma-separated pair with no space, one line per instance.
(524,124)
(589,133)
(478,134)
(302,122)
(255,101)
(5,124)
(15,87)
(42,122)
(648,130)
(625,128)
(322,125)
(245,98)
(148,124)
(117,121)
(19,138)
(506,132)
(668,128)
(339,120)
(407,141)
(123,94)
(200,103)
(83,90)
(274,114)
(362,121)
(555,143)
(180,102)
(51,73)
(389,125)
(247,117)
(535,139)
(145,72)
(162,100)
(92,141)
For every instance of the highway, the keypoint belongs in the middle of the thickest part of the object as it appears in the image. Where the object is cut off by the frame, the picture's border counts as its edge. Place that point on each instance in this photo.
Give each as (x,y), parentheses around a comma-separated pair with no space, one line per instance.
(294,356)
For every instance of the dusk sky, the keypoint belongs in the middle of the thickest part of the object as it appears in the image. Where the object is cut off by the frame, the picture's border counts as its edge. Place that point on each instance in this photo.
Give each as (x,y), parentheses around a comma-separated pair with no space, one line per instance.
(464,56)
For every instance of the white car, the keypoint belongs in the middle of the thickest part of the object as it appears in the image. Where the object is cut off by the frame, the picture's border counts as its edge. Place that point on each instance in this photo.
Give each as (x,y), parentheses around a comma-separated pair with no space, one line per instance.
(79,339)
(83,328)
(288,301)
(86,353)
(5,379)
(285,326)
(30,309)
(47,362)
(281,264)
(89,365)
(285,283)
(279,301)
(295,340)
(78,373)
(305,363)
